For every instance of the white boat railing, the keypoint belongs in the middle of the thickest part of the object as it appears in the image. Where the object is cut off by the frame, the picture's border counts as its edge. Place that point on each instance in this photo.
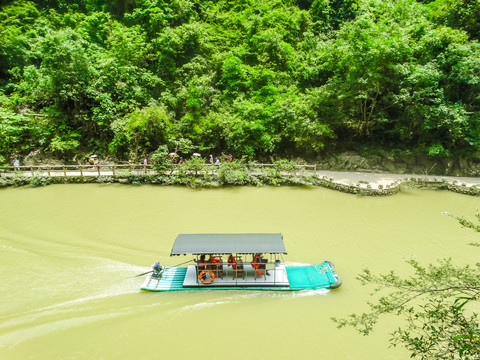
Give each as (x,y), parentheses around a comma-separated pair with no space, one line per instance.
(239,273)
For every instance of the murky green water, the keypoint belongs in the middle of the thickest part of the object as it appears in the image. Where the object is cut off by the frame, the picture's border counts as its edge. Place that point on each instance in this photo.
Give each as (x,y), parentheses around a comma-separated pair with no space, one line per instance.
(69,254)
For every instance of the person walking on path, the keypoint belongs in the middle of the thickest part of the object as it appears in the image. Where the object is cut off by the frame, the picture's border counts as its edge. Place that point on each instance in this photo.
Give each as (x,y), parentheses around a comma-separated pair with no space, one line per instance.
(16,164)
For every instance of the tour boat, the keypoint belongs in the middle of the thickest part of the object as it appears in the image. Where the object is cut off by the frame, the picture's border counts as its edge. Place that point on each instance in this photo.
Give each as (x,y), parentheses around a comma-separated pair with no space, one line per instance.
(237,262)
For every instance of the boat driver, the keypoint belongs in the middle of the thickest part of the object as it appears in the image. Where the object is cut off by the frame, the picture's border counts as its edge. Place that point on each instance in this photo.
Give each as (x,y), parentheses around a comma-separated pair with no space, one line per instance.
(202,264)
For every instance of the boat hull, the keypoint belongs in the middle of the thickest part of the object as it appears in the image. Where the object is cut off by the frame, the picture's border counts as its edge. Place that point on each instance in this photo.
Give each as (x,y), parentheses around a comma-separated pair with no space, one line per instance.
(295,278)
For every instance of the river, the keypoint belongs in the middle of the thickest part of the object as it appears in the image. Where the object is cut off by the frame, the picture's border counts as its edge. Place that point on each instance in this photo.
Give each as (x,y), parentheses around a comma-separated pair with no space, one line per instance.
(69,254)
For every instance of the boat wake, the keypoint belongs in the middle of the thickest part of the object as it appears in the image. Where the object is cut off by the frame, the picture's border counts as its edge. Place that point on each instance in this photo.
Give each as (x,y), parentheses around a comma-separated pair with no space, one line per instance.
(239,298)
(304,293)
(96,290)
(204,305)
(18,336)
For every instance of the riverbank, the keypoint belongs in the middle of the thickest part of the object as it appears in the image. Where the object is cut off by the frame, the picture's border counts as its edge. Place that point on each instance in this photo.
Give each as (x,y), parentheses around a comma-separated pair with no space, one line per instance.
(375,184)
(361,183)
(388,179)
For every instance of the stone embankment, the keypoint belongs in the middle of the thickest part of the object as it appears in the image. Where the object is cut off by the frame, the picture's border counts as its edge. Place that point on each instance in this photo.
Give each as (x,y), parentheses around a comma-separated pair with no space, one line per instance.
(373,184)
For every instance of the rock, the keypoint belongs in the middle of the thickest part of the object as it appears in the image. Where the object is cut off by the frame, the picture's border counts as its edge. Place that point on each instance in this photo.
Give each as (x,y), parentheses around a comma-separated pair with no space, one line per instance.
(389,165)
(450,167)
(401,168)
(410,161)
(463,164)
(436,169)
(400,163)
(38,157)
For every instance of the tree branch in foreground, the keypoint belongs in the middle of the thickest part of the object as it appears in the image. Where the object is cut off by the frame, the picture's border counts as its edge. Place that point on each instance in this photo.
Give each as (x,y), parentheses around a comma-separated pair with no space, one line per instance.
(438,305)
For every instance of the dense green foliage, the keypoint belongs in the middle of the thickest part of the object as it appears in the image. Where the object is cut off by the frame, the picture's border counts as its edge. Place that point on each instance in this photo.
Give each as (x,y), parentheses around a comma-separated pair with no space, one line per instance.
(284,78)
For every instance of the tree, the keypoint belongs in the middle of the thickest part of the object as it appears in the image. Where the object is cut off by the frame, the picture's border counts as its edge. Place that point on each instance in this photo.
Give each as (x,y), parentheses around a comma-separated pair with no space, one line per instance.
(141,131)
(16,20)
(474,225)
(459,14)
(64,72)
(196,165)
(233,173)
(18,133)
(438,305)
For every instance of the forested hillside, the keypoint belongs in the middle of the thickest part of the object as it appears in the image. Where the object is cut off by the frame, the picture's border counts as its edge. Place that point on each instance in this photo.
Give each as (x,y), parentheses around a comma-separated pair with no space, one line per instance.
(258,78)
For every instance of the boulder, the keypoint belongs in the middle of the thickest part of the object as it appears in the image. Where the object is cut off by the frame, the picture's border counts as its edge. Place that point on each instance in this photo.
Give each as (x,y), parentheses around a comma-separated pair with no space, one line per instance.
(389,165)
(401,168)
(38,157)
(463,165)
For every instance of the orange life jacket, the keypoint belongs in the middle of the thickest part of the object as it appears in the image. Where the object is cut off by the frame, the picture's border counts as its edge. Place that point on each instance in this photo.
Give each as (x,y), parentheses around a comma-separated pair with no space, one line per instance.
(213,261)
(232,261)
(256,263)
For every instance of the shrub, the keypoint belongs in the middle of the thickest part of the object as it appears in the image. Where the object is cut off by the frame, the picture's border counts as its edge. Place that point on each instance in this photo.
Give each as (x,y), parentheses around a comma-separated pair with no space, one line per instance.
(104,179)
(233,173)
(40,180)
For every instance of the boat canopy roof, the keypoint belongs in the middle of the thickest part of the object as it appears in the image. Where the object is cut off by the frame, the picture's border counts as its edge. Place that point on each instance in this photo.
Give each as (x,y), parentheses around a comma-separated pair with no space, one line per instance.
(199,244)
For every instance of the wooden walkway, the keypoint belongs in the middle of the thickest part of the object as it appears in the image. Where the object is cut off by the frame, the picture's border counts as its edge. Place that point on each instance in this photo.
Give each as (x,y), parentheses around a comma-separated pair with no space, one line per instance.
(79,170)
(115,169)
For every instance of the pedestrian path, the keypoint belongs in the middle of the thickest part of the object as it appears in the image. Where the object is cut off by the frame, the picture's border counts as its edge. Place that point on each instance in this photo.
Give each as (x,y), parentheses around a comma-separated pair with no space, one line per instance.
(385,179)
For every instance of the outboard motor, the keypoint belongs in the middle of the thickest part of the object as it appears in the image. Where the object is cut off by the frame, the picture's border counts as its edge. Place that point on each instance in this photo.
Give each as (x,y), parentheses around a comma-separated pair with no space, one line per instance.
(157,270)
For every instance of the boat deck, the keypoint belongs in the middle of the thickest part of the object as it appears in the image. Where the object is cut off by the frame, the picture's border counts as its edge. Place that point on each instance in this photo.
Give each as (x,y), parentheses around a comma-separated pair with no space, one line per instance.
(311,277)
(171,280)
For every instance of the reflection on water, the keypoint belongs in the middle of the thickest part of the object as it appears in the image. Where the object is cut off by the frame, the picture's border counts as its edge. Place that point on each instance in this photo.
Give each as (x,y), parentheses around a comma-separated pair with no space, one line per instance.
(69,254)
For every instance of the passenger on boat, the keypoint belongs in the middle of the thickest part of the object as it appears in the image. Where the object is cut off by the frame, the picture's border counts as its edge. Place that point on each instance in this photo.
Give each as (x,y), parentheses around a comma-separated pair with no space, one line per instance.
(232,261)
(257,262)
(202,263)
(213,261)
